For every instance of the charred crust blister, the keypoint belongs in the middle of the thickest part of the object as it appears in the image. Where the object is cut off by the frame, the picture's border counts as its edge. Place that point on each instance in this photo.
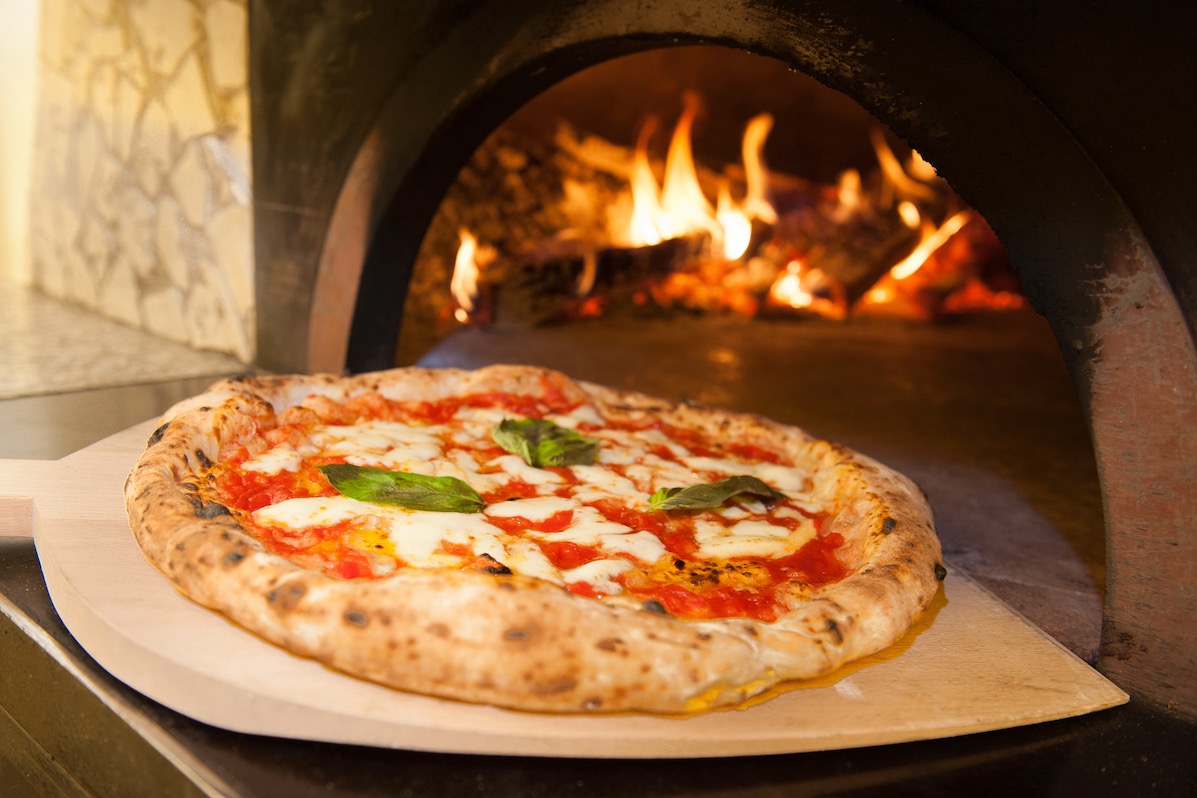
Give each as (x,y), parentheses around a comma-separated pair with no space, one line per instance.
(234,557)
(203,458)
(285,597)
(157,434)
(209,510)
(489,565)
(554,687)
(941,573)
(654,606)
(887,526)
(356,618)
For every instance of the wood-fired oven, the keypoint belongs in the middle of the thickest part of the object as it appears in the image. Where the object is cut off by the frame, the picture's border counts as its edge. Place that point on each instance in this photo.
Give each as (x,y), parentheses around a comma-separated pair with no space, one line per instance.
(1066,126)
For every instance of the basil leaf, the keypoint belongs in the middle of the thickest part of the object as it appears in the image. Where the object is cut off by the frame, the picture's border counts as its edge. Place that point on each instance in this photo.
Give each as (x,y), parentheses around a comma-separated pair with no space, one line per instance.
(708,495)
(413,491)
(542,443)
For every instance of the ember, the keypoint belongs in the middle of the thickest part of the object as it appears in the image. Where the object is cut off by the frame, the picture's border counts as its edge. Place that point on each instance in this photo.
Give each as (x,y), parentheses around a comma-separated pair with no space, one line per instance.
(637,233)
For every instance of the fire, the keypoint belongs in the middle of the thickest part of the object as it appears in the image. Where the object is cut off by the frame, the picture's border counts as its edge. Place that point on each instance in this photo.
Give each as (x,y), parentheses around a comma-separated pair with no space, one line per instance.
(939,276)
(756,205)
(646,196)
(679,207)
(849,195)
(801,288)
(933,239)
(464,283)
(893,241)
(895,175)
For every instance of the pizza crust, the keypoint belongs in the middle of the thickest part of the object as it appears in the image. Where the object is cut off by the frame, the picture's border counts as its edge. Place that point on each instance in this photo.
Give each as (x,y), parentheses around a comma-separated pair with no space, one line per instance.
(515,641)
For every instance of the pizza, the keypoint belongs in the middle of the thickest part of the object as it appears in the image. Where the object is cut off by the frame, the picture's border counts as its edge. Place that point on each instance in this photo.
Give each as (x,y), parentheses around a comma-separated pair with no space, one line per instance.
(514,537)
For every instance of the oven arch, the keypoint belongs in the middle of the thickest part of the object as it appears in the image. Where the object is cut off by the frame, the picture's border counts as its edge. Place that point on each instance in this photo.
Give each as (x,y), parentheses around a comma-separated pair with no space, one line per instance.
(1084,260)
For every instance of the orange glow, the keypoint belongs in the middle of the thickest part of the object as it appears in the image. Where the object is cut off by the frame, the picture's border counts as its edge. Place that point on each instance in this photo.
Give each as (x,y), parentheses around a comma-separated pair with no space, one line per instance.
(734,225)
(679,207)
(939,277)
(464,283)
(731,249)
(646,196)
(932,240)
(684,208)
(895,175)
(910,214)
(919,169)
(756,177)
(800,288)
(849,195)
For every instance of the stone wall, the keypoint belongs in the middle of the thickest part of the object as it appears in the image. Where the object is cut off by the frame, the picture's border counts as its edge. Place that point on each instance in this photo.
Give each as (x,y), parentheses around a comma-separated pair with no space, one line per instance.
(141,185)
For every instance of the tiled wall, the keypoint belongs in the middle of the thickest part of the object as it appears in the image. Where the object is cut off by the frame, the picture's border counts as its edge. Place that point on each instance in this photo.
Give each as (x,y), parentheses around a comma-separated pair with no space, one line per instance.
(141,166)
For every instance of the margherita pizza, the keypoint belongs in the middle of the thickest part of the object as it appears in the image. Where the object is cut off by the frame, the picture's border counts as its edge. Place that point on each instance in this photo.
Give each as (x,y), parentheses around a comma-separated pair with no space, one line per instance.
(513,537)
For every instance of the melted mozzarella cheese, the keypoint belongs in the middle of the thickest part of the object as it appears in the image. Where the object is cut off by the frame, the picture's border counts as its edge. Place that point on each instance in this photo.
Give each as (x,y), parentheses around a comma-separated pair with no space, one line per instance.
(273,461)
(540,508)
(654,473)
(311,511)
(587,528)
(644,546)
(599,574)
(525,557)
(748,538)
(414,535)
(599,483)
(582,414)
(514,466)
(382,444)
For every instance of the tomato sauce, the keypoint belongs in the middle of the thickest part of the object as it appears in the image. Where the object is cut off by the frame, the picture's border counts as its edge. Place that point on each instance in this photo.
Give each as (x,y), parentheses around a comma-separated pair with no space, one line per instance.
(515,489)
(252,490)
(565,555)
(815,563)
(515,524)
(718,602)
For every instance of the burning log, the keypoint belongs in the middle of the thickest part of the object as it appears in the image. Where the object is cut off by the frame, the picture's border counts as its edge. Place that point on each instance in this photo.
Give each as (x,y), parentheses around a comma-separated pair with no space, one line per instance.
(571,279)
(577,226)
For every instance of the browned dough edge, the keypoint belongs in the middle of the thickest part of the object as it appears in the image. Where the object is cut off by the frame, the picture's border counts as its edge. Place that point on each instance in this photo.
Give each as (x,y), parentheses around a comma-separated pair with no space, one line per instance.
(515,641)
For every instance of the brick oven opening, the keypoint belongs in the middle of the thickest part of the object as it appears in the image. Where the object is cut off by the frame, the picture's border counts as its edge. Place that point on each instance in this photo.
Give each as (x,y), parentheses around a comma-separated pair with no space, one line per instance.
(698,180)
(863,299)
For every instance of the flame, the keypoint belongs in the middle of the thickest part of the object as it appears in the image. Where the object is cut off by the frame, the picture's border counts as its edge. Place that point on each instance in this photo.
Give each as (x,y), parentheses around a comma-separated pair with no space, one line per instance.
(464,283)
(735,226)
(895,175)
(679,207)
(920,169)
(910,214)
(849,195)
(729,261)
(801,288)
(932,240)
(684,208)
(755,205)
(646,197)
(906,292)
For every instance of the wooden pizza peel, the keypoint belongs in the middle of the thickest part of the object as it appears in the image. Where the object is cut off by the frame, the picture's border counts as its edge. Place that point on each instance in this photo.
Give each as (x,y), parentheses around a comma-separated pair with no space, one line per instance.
(970,665)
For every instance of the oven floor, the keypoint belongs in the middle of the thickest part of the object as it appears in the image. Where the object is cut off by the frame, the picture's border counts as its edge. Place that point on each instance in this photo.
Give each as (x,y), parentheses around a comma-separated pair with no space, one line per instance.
(981,412)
